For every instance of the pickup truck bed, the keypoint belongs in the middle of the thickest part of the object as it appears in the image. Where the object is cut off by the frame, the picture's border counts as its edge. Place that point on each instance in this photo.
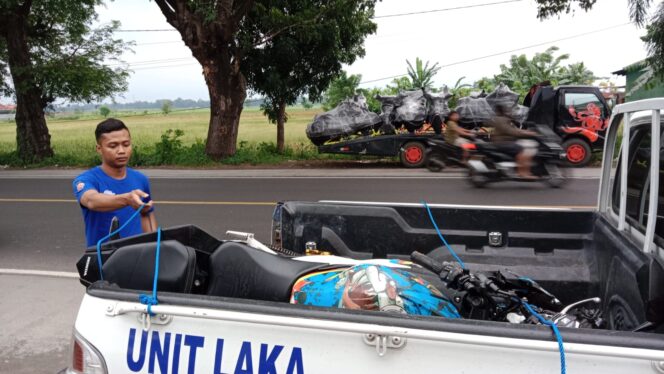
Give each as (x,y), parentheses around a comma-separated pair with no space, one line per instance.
(573,253)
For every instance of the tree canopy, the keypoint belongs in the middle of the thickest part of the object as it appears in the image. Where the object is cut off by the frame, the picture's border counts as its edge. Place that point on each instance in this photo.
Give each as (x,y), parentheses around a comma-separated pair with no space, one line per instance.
(638,12)
(341,88)
(49,50)
(421,75)
(316,38)
(521,72)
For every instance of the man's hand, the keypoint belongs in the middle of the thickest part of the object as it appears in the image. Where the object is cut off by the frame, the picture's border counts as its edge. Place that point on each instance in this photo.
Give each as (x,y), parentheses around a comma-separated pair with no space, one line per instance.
(135,199)
(147,207)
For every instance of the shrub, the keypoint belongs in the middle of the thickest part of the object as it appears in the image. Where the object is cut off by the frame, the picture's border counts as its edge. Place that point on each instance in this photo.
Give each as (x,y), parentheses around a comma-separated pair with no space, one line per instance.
(104,111)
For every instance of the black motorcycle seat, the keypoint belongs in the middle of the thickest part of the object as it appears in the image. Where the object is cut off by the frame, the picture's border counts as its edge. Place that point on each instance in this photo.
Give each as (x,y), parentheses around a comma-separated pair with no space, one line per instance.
(238,270)
(496,151)
(132,267)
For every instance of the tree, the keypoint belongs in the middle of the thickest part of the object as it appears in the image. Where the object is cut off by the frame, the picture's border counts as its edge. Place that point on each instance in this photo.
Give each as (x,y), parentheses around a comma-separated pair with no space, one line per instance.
(399,84)
(341,88)
(522,73)
(166,106)
(210,30)
(421,75)
(458,91)
(306,104)
(104,111)
(638,12)
(50,51)
(577,73)
(285,67)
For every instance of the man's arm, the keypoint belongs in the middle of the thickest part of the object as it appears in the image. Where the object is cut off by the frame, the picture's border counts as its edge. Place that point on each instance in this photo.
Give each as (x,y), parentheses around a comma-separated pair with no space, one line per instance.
(148,222)
(100,202)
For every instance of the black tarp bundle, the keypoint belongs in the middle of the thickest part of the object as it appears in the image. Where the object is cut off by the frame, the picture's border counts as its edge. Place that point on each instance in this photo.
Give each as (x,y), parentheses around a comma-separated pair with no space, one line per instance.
(411,108)
(502,96)
(387,106)
(349,117)
(475,110)
(438,102)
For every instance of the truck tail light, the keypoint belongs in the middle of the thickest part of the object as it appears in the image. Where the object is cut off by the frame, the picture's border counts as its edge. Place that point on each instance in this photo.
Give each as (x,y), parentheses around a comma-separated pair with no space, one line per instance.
(85,358)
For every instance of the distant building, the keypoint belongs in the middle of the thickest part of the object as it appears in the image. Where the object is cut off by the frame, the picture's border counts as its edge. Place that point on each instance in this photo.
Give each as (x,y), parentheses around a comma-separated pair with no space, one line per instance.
(641,82)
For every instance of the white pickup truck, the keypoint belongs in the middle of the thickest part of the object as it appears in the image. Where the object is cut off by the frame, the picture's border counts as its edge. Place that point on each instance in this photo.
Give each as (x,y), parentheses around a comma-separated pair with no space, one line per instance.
(228,306)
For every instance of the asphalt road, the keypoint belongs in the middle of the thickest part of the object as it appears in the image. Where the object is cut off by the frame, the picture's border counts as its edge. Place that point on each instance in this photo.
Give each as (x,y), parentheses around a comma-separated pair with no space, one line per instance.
(41,226)
(41,229)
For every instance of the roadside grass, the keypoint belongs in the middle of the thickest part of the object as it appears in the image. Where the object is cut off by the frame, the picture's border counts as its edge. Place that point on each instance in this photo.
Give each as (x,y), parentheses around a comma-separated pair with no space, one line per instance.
(72,138)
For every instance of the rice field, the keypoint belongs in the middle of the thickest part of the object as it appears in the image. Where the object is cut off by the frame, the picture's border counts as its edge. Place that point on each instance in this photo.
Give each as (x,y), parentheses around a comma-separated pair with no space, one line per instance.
(74,138)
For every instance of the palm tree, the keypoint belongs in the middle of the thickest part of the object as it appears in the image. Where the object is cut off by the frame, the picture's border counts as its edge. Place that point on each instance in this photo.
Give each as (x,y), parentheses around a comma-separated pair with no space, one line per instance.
(422,75)
(459,90)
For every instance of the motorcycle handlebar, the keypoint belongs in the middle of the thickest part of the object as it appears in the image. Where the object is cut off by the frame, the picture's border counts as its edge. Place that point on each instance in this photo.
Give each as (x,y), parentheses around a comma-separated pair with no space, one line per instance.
(427,262)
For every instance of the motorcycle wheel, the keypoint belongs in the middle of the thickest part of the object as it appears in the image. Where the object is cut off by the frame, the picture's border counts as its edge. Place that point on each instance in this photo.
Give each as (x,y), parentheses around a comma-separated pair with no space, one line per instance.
(556,177)
(435,163)
(478,180)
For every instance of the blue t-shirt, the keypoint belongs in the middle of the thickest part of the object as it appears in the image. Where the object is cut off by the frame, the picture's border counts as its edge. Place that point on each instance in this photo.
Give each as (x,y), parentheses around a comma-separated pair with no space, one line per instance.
(97,224)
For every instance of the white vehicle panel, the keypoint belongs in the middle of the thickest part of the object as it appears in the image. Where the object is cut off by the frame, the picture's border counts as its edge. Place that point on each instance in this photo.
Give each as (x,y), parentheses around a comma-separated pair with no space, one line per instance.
(199,340)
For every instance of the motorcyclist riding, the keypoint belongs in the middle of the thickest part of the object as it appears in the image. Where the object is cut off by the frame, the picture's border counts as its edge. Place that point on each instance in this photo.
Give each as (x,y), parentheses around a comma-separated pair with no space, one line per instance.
(505,137)
(457,135)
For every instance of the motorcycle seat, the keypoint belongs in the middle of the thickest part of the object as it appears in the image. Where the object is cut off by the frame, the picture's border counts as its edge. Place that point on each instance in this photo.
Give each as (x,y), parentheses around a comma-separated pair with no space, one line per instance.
(132,267)
(240,271)
(494,151)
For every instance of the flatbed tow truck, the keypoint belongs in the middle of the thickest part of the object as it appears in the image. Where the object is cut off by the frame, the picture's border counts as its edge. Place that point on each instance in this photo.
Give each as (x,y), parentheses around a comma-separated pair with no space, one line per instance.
(578,114)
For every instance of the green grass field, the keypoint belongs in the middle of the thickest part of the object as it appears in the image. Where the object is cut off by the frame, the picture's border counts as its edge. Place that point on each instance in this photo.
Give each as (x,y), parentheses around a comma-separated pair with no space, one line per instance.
(73,140)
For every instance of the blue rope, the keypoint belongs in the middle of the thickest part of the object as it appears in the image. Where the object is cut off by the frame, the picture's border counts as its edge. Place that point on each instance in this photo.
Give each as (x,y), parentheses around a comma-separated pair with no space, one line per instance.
(101,276)
(440,235)
(151,300)
(556,332)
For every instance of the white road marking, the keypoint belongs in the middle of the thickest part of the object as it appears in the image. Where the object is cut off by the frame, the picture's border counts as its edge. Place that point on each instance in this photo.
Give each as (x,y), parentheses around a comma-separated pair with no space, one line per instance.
(39,273)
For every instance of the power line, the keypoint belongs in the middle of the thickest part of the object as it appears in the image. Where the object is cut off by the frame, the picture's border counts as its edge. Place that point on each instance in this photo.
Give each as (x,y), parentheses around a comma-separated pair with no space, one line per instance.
(446,9)
(375,17)
(146,30)
(165,66)
(506,52)
(150,62)
(168,42)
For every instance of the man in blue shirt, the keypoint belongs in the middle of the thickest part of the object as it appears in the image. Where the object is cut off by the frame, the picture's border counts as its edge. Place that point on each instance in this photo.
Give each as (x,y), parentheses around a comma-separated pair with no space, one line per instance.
(113,189)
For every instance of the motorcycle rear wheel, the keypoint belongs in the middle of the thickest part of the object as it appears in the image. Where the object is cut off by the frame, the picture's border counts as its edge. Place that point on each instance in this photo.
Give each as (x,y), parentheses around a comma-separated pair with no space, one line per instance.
(478,180)
(557,176)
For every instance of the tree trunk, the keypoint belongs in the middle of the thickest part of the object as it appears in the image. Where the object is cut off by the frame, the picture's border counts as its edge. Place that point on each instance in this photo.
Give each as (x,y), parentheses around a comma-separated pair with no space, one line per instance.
(281,119)
(32,138)
(228,89)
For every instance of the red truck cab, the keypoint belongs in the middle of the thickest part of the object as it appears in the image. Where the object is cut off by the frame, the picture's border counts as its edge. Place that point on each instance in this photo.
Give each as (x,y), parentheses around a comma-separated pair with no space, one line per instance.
(578,114)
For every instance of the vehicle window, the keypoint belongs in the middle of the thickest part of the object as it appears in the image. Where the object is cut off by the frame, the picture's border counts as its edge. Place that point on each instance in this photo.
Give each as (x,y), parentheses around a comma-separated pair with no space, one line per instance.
(637,179)
(638,184)
(580,103)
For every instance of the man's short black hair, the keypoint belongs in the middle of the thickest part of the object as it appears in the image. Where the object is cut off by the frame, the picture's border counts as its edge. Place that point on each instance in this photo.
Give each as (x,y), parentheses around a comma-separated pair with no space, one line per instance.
(109,125)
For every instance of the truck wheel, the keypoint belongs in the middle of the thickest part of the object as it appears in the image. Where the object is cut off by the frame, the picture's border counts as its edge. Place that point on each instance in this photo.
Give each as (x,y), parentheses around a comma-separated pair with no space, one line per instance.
(413,155)
(435,163)
(578,152)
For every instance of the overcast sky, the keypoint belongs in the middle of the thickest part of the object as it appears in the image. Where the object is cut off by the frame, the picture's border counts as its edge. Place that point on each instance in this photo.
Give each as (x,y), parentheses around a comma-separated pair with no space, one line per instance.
(163,66)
